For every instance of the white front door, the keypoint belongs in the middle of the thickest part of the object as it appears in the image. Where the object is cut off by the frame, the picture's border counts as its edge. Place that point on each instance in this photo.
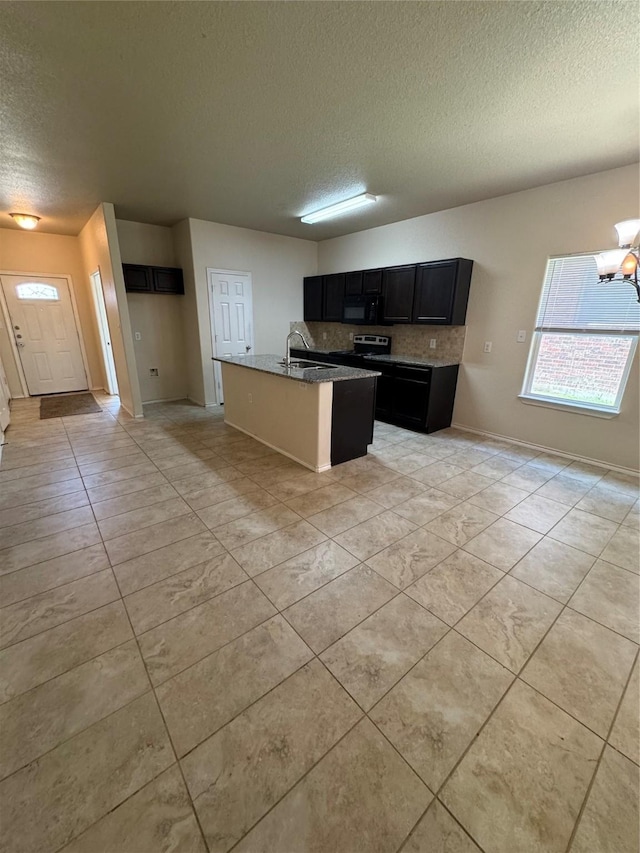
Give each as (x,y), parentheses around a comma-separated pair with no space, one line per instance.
(231,306)
(44,329)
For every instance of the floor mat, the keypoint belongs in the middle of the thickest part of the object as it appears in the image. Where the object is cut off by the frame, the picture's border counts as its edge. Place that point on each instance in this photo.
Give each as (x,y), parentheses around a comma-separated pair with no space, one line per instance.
(63,405)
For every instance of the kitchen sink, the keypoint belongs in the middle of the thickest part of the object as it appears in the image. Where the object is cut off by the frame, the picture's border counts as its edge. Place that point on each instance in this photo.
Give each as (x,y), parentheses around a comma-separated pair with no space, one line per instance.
(309,365)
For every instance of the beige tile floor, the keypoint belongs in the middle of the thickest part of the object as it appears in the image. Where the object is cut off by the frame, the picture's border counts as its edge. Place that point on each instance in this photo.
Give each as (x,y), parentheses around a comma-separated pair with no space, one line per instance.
(203,646)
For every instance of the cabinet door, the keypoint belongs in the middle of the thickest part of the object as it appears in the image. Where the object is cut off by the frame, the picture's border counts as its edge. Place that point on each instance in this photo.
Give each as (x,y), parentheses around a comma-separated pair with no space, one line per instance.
(384,388)
(353,284)
(313,298)
(167,280)
(372,281)
(410,401)
(137,278)
(333,297)
(442,292)
(397,288)
(435,288)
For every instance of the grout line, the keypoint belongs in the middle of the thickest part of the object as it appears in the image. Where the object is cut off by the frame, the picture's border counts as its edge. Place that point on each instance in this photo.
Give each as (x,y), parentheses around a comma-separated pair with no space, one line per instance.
(600,757)
(316,656)
(152,688)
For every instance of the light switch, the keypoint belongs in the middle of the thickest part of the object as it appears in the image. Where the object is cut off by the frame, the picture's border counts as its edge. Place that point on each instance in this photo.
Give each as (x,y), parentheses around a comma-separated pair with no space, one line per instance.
(522,336)
(487,346)
(432,343)
(138,336)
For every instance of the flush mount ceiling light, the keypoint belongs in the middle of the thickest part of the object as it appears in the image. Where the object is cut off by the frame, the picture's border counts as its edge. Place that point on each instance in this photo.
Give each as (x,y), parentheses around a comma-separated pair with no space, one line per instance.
(26,220)
(339,208)
(622,264)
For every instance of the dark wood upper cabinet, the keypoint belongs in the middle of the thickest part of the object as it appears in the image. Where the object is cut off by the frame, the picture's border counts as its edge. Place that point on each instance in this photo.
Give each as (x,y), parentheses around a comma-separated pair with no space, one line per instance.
(167,280)
(333,296)
(397,287)
(137,278)
(372,281)
(442,292)
(434,293)
(313,298)
(146,279)
(353,284)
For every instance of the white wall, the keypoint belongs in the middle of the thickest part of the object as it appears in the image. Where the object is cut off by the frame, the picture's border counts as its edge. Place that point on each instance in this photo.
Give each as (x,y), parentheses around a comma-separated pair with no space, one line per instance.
(157,318)
(145,244)
(194,359)
(510,239)
(277,265)
(100,250)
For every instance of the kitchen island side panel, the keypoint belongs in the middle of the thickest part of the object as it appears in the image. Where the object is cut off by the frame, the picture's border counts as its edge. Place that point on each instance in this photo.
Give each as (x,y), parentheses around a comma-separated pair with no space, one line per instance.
(290,416)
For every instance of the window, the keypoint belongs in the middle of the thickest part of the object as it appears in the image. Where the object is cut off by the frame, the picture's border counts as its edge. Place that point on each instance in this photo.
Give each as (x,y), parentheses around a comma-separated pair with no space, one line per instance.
(33,290)
(585,339)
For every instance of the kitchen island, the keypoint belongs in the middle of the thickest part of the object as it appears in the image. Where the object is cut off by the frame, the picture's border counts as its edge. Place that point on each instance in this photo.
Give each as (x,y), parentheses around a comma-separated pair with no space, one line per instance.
(317,415)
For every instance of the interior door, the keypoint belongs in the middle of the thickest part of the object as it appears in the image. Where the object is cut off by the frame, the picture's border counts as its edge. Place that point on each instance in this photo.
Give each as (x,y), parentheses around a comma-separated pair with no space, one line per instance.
(111,380)
(45,333)
(231,306)
(5,396)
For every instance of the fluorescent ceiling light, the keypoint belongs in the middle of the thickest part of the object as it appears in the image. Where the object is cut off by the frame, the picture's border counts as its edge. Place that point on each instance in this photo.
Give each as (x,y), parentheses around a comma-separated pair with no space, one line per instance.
(339,208)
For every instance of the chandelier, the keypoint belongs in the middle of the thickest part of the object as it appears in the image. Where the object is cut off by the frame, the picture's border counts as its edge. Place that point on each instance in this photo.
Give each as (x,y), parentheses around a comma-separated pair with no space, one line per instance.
(622,264)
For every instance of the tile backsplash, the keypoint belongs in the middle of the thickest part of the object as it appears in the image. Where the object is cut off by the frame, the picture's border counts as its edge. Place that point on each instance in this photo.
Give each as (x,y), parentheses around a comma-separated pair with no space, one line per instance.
(405,339)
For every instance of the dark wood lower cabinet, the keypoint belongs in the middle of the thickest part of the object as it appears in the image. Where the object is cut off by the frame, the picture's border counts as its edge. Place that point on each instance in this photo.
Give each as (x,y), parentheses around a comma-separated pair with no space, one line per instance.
(421,398)
(417,398)
(410,398)
(352,418)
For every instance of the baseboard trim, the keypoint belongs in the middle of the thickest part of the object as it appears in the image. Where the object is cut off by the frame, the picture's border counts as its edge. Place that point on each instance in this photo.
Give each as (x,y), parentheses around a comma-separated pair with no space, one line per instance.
(165,400)
(203,404)
(600,463)
(315,469)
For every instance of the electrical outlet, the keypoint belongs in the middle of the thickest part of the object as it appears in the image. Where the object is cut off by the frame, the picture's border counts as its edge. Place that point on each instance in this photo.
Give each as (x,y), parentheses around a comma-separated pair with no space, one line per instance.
(250,396)
(153,371)
(487,346)
(432,343)
(138,336)
(350,336)
(324,336)
(522,336)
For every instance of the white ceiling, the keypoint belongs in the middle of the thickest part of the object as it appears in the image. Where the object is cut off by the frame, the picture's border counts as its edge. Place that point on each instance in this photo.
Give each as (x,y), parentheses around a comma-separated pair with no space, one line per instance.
(255,113)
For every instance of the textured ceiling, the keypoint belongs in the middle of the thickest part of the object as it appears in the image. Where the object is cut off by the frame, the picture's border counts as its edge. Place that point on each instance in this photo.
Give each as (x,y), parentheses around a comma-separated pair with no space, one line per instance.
(253,114)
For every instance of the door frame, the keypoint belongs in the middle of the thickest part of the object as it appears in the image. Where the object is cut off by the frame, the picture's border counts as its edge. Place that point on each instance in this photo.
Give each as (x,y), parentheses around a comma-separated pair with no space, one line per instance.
(97,290)
(212,319)
(12,340)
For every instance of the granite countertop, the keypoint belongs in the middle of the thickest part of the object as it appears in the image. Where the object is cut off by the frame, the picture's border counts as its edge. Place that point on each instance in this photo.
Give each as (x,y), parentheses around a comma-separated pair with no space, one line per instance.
(271,364)
(416,360)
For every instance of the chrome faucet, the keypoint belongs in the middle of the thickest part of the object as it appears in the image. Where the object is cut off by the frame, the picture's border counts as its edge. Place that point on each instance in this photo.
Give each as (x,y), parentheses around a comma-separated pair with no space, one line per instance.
(287,358)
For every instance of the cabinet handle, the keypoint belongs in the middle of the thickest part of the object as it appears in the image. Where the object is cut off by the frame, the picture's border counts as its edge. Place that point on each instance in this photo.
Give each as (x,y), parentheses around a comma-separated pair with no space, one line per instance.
(432,318)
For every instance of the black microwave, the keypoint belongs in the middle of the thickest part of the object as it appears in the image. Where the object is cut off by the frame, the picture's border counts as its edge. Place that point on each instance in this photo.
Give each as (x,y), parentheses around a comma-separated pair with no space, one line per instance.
(362,310)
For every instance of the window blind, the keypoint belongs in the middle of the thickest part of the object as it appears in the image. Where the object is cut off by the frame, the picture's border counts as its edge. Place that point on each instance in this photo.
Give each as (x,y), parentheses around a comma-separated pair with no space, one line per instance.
(574,299)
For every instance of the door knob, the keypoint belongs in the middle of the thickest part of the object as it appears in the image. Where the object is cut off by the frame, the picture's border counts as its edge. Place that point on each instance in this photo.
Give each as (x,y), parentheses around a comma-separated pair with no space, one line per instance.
(20,343)
(247,349)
